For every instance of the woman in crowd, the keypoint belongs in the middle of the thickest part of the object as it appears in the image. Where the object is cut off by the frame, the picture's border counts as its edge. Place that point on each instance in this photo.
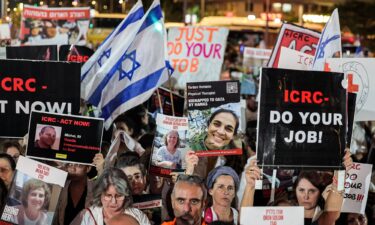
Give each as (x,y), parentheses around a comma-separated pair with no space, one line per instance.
(222,183)
(35,201)
(7,168)
(112,196)
(168,156)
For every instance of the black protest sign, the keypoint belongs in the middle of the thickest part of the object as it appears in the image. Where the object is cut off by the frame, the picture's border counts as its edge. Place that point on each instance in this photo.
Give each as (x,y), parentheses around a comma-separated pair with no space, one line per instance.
(302,119)
(153,104)
(45,52)
(352,98)
(36,85)
(64,138)
(75,53)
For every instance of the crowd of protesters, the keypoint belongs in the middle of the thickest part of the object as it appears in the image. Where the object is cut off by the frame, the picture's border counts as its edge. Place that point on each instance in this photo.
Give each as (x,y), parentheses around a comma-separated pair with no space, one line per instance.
(212,190)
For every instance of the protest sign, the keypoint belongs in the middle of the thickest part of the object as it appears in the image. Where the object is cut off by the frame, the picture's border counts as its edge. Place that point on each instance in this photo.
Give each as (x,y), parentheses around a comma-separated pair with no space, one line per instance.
(54,26)
(257,53)
(272,215)
(294,37)
(196,53)
(357,185)
(153,104)
(45,52)
(359,80)
(214,112)
(292,59)
(300,121)
(5,31)
(149,204)
(33,178)
(36,85)
(65,138)
(169,146)
(74,53)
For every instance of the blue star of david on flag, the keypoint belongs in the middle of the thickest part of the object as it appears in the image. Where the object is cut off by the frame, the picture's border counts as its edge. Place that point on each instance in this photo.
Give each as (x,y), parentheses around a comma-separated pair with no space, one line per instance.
(134,65)
(325,43)
(106,54)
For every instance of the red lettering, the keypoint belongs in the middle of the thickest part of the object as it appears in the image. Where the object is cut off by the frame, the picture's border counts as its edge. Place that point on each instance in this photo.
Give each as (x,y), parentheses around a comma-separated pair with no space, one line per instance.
(18,84)
(77,58)
(304,97)
(317,97)
(293,97)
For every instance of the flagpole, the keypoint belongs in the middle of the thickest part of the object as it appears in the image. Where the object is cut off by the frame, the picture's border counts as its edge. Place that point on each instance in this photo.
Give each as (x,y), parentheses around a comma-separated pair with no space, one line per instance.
(159,100)
(170,93)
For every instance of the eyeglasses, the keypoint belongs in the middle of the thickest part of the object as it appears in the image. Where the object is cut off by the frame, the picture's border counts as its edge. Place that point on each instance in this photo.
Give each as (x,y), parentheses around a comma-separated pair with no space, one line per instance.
(109,197)
(190,178)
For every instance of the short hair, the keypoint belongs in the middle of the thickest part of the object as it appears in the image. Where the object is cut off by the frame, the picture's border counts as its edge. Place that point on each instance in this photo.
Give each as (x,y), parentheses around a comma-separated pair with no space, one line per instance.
(166,138)
(315,179)
(128,159)
(9,158)
(33,184)
(9,144)
(225,111)
(45,127)
(117,178)
(193,180)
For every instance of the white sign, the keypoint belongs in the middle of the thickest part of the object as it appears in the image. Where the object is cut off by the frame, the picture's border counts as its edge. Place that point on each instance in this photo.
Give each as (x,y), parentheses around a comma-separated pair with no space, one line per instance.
(257,53)
(357,185)
(295,60)
(4,31)
(360,80)
(272,215)
(196,53)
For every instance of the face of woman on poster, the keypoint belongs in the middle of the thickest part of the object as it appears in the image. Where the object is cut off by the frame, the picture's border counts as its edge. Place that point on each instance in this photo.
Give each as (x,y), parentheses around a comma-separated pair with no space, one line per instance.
(307,194)
(223,191)
(172,139)
(36,198)
(221,130)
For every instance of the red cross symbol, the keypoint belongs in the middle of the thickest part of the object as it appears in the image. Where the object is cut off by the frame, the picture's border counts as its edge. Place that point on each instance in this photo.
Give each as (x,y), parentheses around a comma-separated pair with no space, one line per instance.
(352,88)
(326,67)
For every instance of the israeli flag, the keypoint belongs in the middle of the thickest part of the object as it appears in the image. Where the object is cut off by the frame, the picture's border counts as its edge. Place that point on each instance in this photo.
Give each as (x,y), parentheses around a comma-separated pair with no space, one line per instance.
(329,43)
(116,43)
(135,73)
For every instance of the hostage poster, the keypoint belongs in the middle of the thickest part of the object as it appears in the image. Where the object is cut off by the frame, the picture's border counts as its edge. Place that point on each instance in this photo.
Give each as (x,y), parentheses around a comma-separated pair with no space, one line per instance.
(196,53)
(65,138)
(169,148)
(302,119)
(36,85)
(214,112)
(54,26)
(35,185)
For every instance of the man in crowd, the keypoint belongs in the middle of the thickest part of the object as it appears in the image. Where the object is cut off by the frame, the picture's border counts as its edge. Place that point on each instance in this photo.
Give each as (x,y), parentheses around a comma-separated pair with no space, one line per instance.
(47,137)
(188,200)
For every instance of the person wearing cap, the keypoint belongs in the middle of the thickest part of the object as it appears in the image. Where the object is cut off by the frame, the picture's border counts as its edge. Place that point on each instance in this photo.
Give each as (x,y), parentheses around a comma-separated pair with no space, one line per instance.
(222,184)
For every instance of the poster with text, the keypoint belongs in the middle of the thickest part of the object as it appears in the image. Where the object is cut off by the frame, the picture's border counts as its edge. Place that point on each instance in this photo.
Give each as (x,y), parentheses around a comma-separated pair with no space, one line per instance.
(272,215)
(164,105)
(294,37)
(169,148)
(302,119)
(35,188)
(54,26)
(44,52)
(149,204)
(214,112)
(254,59)
(295,60)
(75,53)
(65,138)
(196,53)
(357,186)
(36,85)
(359,79)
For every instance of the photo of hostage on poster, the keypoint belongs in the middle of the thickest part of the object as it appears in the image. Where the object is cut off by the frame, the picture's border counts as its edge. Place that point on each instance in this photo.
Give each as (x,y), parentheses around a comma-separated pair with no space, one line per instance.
(34,193)
(65,138)
(301,124)
(169,146)
(214,118)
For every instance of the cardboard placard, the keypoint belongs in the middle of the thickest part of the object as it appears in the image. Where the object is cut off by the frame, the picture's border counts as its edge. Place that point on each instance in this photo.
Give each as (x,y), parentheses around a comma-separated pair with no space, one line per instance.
(196,53)
(169,146)
(45,52)
(153,105)
(33,177)
(301,124)
(272,215)
(75,53)
(149,204)
(65,138)
(292,59)
(36,85)
(214,111)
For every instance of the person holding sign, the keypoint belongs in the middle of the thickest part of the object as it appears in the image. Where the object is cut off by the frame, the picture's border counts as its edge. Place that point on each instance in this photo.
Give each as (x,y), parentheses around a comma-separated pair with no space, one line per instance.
(168,156)
(112,196)
(222,127)
(222,183)
(35,200)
